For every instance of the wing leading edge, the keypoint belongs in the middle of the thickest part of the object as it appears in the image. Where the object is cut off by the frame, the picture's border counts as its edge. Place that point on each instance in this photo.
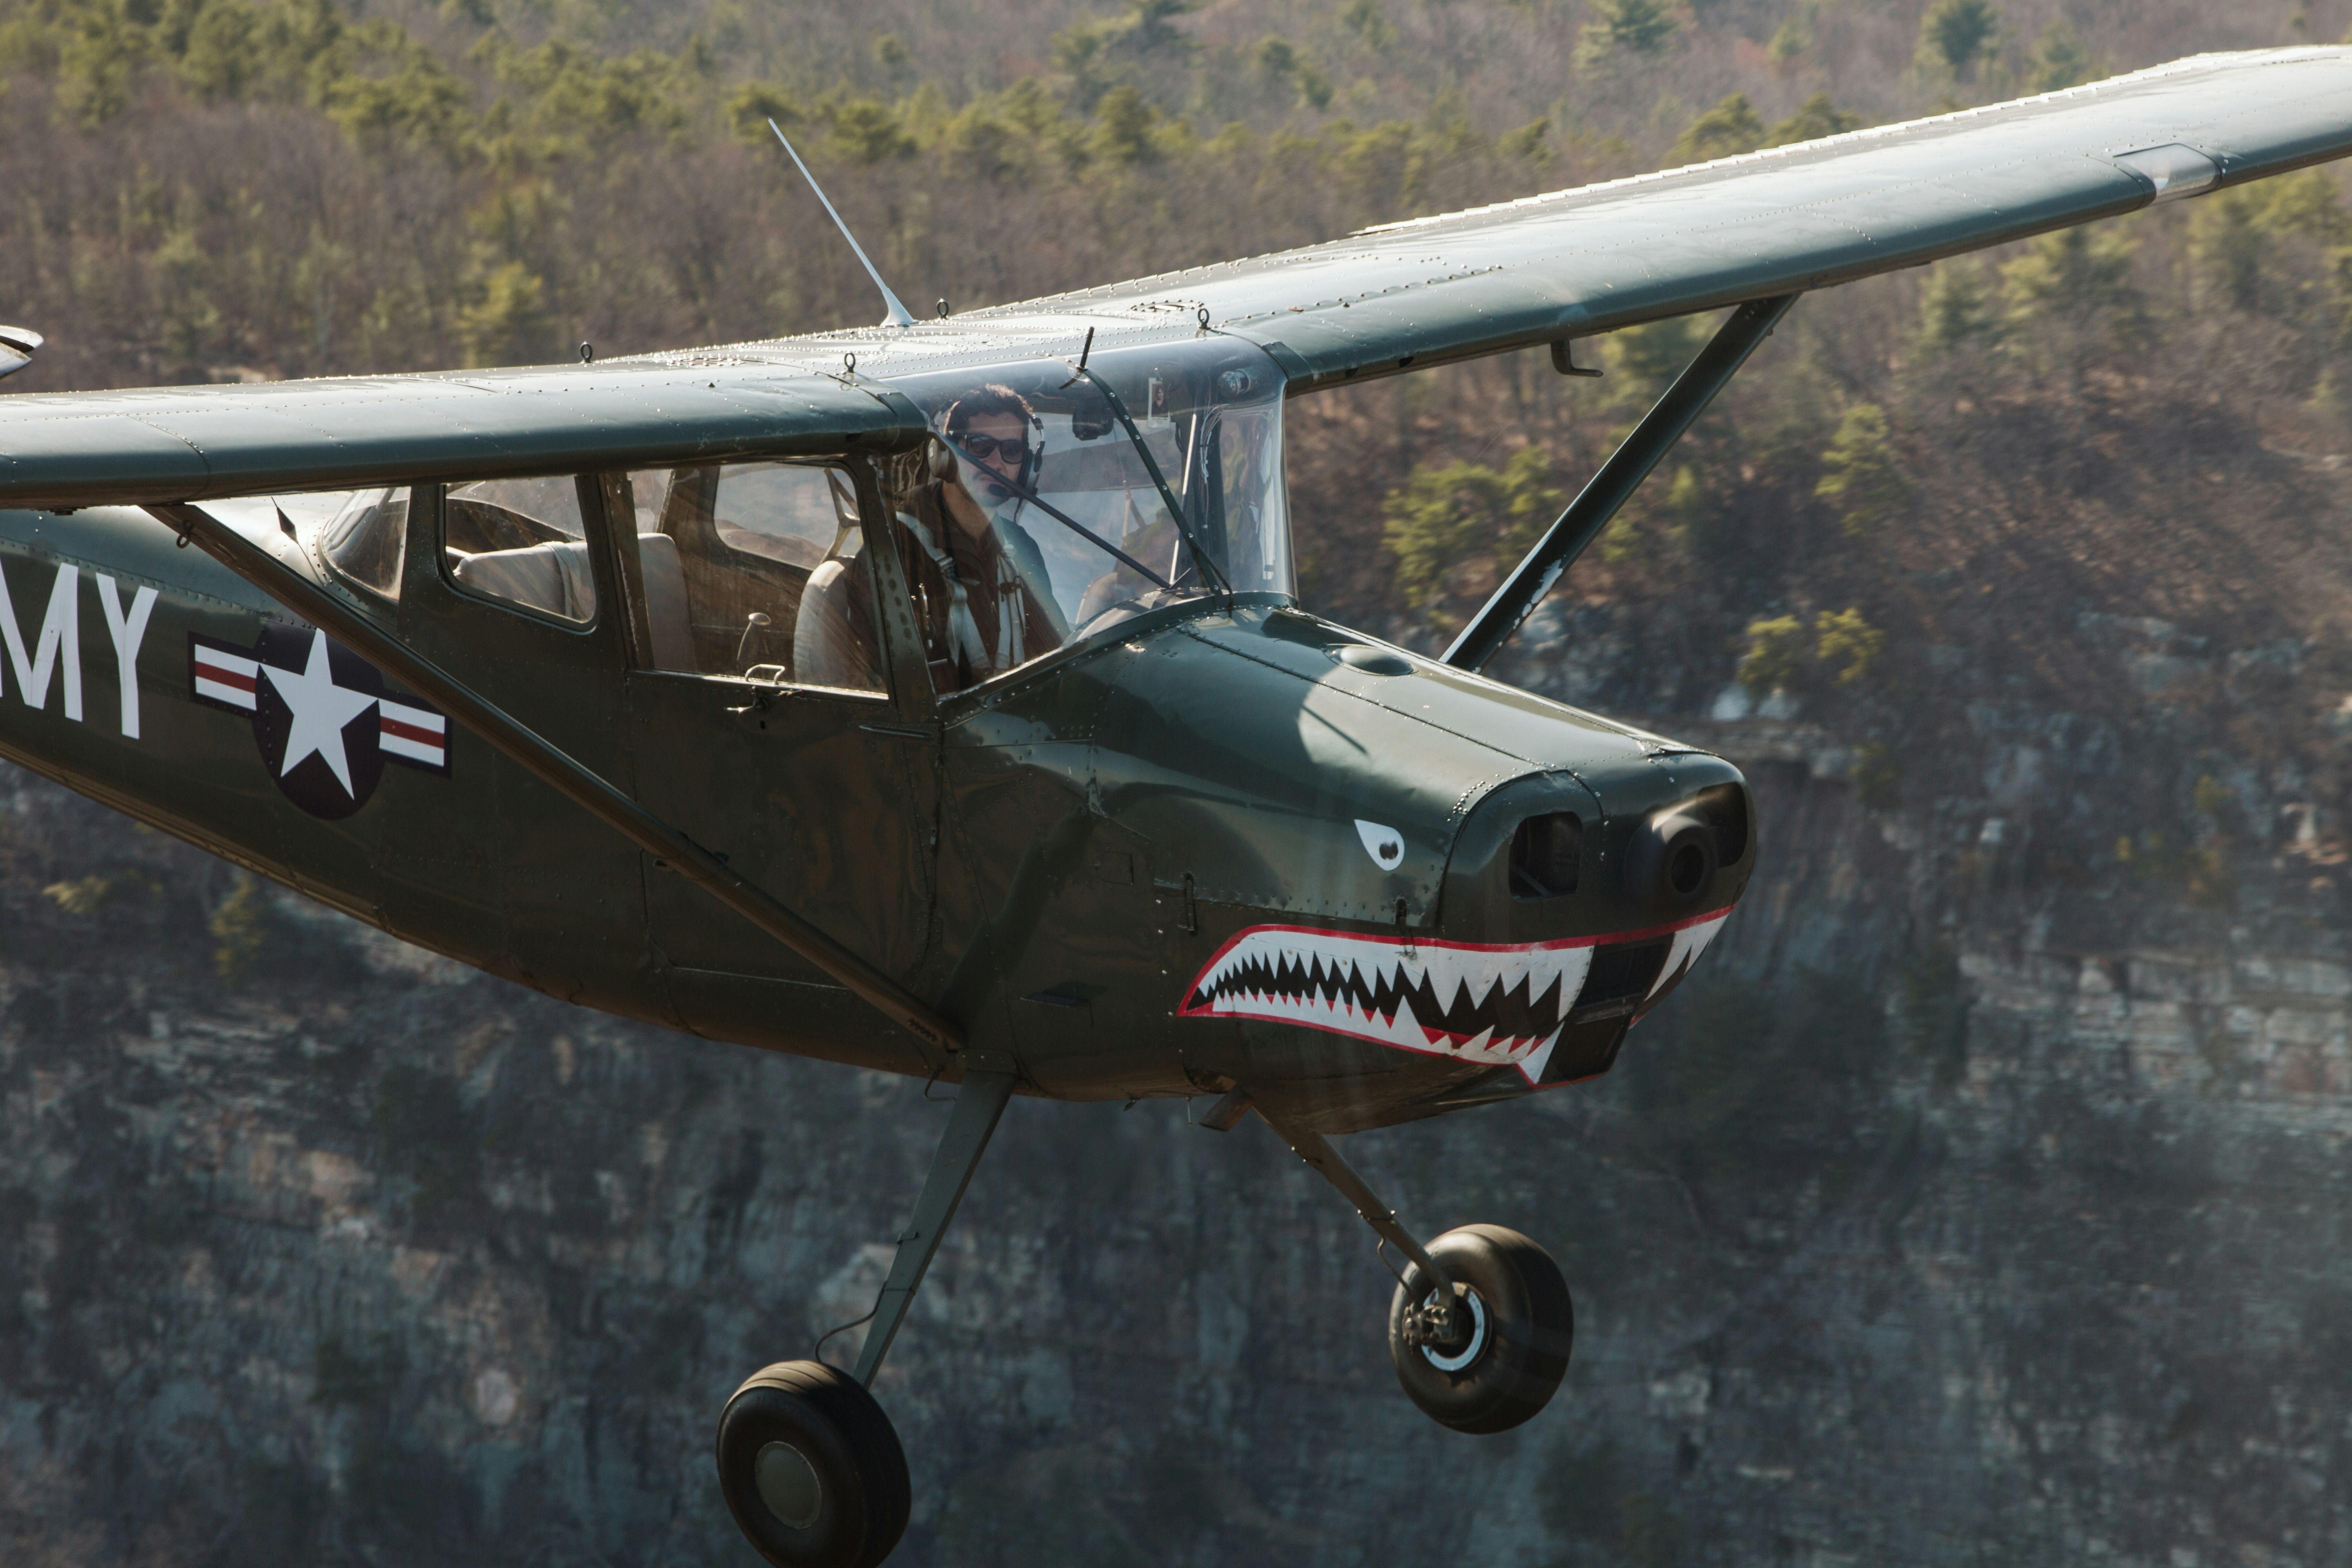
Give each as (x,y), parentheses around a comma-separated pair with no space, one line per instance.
(184,444)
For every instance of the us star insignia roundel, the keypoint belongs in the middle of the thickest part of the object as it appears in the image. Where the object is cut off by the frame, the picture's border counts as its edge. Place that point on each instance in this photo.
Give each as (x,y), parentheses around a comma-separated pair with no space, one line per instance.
(321,715)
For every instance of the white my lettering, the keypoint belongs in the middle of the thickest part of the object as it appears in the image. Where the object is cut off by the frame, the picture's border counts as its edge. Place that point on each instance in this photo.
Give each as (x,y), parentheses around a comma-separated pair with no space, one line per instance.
(61,631)
(128,632)
(56,652)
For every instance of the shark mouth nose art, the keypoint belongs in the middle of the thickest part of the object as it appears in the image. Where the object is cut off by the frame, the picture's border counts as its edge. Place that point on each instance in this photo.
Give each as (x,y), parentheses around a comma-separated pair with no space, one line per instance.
(1499,1006)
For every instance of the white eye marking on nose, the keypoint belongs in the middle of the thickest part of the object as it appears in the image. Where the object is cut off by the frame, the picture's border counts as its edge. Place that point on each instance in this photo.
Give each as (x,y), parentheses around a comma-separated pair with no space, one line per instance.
(1384,845)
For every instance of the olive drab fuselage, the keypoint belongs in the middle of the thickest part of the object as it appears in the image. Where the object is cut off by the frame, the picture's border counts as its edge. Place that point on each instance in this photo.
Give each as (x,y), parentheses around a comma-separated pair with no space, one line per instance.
(1224,841)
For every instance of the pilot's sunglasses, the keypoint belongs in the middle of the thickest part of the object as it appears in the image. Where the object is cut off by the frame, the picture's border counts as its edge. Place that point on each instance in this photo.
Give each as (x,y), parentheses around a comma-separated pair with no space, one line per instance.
(1011,448)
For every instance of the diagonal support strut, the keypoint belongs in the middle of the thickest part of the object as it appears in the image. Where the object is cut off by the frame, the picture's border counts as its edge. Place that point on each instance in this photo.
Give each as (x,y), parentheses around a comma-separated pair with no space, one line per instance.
(979,1105)
(1620,477)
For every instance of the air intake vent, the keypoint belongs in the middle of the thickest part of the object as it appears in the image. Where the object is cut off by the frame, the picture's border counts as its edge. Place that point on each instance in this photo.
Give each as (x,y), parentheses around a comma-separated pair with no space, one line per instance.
(1544,856)
(1622,970)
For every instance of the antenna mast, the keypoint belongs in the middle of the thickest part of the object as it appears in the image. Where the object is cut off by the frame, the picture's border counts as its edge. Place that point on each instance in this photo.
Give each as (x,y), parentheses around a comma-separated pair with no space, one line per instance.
(894,315)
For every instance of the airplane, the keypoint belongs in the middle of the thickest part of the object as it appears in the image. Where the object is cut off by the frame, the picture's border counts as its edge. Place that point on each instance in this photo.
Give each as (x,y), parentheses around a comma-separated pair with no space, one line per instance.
(594,677)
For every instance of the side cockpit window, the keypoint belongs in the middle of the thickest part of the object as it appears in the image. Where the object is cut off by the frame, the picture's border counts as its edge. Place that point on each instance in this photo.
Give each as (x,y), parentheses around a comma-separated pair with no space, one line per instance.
(745,570)
(522,542)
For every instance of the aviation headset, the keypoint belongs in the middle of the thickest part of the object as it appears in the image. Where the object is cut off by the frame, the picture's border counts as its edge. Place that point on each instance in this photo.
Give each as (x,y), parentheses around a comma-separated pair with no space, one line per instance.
(990,399)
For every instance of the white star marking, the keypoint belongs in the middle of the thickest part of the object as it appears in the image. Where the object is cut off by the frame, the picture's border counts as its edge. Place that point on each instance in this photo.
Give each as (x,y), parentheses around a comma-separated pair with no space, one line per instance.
(320,708)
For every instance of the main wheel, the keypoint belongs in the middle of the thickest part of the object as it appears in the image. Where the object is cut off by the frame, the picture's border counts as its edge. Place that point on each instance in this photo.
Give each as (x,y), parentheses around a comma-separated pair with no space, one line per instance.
(810,1469)
(1508,1344)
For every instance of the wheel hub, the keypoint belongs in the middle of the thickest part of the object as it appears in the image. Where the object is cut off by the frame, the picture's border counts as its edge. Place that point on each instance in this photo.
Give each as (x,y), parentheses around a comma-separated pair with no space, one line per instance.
(788,1484)
(1450,1341)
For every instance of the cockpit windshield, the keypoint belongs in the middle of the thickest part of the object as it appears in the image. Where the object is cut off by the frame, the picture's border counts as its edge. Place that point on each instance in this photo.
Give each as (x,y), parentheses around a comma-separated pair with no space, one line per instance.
(1050,504)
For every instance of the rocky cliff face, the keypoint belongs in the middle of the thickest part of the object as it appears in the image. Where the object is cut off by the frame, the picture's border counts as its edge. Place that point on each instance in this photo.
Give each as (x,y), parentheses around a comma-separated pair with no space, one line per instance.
(1981,1203)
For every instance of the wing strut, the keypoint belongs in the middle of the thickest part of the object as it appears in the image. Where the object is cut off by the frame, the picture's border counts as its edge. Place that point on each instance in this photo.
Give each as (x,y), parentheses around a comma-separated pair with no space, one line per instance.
(1619,477)
(556,768)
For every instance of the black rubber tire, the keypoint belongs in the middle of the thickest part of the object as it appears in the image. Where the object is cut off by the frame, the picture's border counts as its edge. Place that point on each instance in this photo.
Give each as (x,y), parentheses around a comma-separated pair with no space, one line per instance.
(862,1493)
(1531,1327)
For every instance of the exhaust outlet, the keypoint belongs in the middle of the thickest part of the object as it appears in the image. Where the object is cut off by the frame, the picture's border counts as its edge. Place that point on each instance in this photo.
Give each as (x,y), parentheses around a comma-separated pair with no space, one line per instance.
(1673,856)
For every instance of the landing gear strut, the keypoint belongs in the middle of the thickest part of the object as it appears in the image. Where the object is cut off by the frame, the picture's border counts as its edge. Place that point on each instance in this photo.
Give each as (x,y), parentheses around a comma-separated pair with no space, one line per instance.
(807,1461)
(1481,1323)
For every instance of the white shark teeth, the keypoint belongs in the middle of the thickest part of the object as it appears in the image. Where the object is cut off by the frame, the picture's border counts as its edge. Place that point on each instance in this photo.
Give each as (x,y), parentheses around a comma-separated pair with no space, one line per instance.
(1503,1006)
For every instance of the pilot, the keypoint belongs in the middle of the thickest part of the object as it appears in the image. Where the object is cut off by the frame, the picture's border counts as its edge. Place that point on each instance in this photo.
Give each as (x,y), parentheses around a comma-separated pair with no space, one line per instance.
(983,596)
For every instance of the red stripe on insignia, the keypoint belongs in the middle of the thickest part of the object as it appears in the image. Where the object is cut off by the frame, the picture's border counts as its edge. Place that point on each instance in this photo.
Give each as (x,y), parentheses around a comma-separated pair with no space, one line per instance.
(401,714)
(220,676)
(410,732)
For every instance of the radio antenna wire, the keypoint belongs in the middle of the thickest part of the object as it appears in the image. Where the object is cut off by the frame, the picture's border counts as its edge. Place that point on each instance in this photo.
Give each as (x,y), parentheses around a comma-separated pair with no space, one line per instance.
(895,314)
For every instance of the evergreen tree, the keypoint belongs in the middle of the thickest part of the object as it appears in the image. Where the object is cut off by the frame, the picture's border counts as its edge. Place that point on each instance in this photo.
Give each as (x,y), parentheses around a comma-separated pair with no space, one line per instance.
(1446,514)
(1729,128)
(1955,34)
(2077,277)
(1860,475)
(1956,307)
(1616,28)
(1815,118)
(2060,61)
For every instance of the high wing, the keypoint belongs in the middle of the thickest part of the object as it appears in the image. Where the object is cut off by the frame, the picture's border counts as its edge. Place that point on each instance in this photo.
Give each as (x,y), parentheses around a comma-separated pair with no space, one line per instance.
(1423,292)
(1608,256)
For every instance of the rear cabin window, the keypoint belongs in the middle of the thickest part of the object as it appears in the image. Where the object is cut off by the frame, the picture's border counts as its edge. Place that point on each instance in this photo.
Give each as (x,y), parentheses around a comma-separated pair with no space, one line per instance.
(520,541)
(362,533)
(367,539)
(743,571)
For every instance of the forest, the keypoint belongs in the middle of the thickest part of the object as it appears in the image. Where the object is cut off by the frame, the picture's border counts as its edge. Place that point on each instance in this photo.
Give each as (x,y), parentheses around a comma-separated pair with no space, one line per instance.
(224,190)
